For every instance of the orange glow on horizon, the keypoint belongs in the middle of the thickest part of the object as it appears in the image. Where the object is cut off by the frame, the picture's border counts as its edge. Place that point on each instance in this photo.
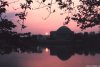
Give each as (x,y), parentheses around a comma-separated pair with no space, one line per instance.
(46,33)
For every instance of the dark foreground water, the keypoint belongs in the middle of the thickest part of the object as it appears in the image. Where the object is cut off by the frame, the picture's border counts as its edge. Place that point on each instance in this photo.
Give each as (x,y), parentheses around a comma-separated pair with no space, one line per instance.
(49,57)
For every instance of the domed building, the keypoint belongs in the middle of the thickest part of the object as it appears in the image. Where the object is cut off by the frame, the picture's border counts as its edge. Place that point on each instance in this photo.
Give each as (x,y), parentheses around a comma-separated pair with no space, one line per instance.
(63,33)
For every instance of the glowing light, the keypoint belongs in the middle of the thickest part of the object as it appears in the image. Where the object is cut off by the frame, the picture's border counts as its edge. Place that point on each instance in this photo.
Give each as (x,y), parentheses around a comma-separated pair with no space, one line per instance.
(46,33)
(46,49)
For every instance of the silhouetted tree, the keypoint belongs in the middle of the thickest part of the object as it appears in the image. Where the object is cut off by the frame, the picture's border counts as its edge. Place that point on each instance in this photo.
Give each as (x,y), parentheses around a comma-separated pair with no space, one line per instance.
(5,24)
(86,13)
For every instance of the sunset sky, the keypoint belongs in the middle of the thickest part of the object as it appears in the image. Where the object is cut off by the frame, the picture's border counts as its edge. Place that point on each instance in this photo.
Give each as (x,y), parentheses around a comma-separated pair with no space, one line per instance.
(35,20)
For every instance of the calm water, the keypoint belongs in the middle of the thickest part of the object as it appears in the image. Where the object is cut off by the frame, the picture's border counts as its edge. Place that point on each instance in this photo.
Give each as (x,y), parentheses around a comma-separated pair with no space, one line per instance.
(47,57)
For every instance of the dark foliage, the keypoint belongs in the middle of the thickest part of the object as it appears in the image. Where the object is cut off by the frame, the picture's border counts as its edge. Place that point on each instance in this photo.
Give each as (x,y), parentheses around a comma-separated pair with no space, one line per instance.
(22,15)
(87,15)
(5,24)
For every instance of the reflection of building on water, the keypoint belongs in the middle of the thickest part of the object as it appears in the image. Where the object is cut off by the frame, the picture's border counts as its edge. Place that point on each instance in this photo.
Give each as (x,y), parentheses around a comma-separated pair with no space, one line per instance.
(62,53)
(63,33)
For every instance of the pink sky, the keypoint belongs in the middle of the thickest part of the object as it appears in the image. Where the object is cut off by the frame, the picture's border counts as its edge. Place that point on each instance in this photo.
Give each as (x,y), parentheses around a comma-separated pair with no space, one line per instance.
(37,25)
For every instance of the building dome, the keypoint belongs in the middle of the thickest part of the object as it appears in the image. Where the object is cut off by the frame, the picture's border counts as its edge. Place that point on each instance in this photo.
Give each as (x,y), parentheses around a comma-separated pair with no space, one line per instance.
(64,29)
(63,33)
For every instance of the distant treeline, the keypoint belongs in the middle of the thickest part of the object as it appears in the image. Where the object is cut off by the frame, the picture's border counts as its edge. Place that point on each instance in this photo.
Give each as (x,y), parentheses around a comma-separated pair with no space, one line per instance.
(9,37)
(92,36)
(13,38)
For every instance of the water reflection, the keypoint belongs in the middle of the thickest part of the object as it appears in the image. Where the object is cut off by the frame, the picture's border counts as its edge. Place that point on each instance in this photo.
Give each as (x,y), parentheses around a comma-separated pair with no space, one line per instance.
(49,56)
(63,52)
(46,50)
